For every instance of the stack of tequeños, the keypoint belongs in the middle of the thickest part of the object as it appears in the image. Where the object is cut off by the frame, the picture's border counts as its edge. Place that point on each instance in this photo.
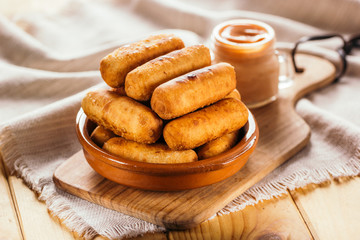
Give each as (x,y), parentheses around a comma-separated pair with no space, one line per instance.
(158,80)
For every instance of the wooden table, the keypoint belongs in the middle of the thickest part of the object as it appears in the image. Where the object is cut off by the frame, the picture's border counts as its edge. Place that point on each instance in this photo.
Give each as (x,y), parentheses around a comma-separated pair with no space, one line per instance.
(327,211)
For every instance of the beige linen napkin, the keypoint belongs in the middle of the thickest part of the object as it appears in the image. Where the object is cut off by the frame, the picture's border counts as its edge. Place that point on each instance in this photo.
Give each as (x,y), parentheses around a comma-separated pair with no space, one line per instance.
(49,61)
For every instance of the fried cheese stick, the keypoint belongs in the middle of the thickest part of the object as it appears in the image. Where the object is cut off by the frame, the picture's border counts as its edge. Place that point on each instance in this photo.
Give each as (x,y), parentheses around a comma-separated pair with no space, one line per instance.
(234,94)
(116,65)
(150,153)
(119,90)
(122,115)
(219,145)
(141,82)
(197,128)
(100,135)
(223,143)
(193,90)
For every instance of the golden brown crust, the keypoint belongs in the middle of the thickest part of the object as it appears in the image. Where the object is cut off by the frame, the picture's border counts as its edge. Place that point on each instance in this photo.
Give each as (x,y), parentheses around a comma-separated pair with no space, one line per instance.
(120,62)
(100,135)
(193,90)
(234,94)
(119,90)
(150,153)
(141,82)
(122,115)
(197,128)
(218,146)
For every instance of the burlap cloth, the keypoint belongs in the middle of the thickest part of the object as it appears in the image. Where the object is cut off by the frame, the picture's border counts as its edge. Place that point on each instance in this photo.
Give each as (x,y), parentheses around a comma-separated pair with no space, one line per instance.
(48,60)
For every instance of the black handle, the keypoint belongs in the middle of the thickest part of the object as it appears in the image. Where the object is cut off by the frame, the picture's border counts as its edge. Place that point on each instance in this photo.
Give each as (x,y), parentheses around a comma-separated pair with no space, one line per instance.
(342,51)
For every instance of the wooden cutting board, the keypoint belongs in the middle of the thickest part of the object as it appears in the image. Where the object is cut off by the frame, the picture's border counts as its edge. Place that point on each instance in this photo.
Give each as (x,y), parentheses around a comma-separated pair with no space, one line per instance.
(282,134)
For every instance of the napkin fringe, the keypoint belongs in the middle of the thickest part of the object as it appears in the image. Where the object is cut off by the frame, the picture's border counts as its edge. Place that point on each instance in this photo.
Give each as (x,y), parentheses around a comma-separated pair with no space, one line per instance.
(16,165)
(296,180)
(132,230)
(62,210)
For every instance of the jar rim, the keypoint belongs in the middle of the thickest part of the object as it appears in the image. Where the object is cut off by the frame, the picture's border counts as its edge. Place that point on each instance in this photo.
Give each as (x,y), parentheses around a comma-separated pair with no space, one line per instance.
(217,38)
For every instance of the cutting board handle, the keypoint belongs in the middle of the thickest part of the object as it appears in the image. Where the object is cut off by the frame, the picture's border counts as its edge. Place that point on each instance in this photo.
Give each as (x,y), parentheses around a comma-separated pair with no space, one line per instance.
(342,51)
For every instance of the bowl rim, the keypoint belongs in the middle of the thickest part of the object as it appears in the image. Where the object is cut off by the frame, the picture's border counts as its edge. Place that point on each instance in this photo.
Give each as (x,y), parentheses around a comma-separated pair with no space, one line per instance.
(220,161)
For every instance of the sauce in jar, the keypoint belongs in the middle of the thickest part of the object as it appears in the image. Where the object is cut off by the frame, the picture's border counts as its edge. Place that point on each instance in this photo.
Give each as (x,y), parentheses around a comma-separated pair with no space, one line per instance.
(248,45)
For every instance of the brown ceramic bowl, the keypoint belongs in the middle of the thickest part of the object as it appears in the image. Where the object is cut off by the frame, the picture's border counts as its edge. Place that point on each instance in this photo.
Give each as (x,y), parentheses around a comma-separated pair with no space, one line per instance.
(166,177)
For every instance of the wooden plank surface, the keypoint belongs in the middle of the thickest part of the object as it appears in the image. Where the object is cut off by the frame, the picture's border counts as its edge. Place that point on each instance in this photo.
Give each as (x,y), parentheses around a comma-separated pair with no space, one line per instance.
(272,219)
(277,218)
(9,225)
(34,219)
(332,209)
(345,203)
(282,134)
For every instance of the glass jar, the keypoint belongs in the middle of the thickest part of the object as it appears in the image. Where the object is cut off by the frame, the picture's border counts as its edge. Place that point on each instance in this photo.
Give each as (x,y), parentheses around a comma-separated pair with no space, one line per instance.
(248,45)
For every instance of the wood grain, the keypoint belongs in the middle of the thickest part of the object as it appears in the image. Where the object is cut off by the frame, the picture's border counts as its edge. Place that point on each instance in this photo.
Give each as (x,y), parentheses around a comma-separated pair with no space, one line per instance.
(151,236)
(272,219)
(331,210)
(34,220)
(9,225)
(277,218)
(23,216)
(282,134)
